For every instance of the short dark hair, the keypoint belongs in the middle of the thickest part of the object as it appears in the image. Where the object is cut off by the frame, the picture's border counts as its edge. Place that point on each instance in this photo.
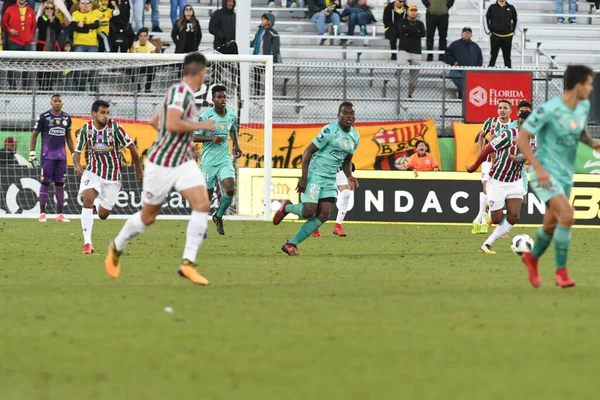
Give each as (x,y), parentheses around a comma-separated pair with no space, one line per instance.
(344,105)
(218,88)
(505,101)
(524,114)
(143,30)
(193,63)
(524,103)
(424,142)
(55,95)
(99,103)
(575,74)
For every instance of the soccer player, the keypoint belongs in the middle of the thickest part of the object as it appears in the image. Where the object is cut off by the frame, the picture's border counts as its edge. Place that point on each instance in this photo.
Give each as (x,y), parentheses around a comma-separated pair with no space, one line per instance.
(558,125)
(215,161)
(345,201)
(524,105)
(55,127)
(100,181)
(504,187)
(330,150)
(171,163)
(490,127)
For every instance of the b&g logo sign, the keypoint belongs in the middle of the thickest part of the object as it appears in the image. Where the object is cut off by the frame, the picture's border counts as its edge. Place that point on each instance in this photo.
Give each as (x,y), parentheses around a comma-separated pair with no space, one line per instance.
(478,96)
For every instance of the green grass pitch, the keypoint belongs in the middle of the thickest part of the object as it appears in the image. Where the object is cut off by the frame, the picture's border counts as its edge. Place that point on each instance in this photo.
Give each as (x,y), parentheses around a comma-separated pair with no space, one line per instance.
(390,312)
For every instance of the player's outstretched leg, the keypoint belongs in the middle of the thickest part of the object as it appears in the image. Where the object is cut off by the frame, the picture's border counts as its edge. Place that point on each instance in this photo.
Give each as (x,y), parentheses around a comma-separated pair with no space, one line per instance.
(226,200)
(197,226)
(286,208)
(345,197)
(505,224)
(59,189)
(43,200)
(318,213)
(562,241)
(133,227)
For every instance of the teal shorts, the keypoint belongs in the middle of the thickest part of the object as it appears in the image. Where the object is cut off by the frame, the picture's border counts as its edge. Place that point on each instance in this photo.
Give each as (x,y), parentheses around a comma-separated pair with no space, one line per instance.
(556,188)
(318,188)
(223,171)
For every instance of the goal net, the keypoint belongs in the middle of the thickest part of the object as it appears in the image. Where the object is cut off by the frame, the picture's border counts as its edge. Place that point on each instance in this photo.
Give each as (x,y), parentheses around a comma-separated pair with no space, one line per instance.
(134,85)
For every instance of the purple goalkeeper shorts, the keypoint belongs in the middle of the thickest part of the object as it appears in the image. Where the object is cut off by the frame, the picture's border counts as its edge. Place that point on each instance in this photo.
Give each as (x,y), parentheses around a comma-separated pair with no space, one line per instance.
(54,171)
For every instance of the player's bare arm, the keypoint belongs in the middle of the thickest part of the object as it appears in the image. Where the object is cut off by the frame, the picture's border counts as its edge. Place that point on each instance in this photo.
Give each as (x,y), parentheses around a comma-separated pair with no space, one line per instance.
(214,139)
(77,162)
(237,151)
(347,168)
(32,144)
(542,175)
(587,139)
(481,140)
(154,120)
(135,157)
(70,141)
(176,125)
(306,157)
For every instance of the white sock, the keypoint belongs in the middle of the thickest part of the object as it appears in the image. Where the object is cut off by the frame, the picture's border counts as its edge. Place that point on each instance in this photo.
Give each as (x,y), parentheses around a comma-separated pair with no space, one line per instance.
(342,205)
(500,231)
(195,234)
(87,223)
(133,227)
(482,205)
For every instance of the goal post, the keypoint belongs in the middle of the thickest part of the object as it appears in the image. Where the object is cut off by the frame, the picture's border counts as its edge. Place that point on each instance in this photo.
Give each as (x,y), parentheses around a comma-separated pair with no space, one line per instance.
(134,85)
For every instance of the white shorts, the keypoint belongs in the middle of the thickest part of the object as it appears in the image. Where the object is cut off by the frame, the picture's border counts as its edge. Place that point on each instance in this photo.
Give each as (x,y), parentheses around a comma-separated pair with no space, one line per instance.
(485,171)
(341,179)
(158,181)
(107,190)
(498,192)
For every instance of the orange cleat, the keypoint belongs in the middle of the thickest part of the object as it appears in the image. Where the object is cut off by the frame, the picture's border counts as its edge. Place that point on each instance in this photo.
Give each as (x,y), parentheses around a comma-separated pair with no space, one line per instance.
(112,262)
(62,218)
(281,213)
(337,230)
(532,267)
(290,249)
(316,233)
(42,217)
(187,270)
(563,279)
(87,249)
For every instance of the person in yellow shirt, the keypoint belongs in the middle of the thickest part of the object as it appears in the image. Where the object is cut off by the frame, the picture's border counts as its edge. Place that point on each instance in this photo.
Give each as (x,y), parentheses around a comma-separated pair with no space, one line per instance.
(85,24)
(105,14)
(143,45)
(393,15)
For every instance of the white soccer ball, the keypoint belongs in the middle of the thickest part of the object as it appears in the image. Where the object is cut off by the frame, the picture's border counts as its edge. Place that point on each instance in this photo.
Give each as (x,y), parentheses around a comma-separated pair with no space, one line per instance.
(521,244)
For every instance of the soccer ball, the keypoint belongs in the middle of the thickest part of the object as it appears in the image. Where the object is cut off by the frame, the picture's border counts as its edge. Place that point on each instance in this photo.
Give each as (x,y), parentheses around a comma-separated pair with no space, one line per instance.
(521,244)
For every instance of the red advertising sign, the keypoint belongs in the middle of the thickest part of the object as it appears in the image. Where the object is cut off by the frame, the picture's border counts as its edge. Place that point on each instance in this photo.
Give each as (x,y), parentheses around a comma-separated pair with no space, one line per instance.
(483,91)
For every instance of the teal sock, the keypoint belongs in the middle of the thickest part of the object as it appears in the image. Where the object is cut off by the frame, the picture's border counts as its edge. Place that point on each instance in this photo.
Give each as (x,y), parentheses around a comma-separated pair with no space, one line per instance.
(225,203)
(294,209)
(307,228)
(562,241)
(542,241)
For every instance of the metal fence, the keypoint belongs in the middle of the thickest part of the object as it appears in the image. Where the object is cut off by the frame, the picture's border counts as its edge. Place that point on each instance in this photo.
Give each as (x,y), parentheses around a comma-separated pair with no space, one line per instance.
(311,92)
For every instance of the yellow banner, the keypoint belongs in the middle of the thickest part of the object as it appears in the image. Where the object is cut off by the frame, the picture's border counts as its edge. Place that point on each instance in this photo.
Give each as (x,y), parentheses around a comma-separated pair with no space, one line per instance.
(466,145)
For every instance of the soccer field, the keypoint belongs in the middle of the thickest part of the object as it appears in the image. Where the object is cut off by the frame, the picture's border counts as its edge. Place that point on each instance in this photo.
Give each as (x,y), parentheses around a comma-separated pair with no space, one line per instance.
(390,312)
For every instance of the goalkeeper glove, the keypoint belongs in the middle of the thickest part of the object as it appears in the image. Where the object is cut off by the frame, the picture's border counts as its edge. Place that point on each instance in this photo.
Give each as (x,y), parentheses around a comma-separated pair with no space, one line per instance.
(32,160)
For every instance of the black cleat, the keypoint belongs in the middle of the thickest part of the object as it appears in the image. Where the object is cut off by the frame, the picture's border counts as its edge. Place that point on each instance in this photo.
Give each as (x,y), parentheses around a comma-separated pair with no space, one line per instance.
(219,223)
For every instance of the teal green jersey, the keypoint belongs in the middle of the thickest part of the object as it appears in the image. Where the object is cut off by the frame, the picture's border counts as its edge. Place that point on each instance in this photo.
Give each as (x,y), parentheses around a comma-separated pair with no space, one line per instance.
(215,154)
(557,129)
(334,146)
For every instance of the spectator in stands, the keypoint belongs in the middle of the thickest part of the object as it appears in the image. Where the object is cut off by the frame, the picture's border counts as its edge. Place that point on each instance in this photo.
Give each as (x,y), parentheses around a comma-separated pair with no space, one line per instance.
(20,23)
(121,33)
(267,38)
(358,13)
(411,30)
(393,14)
(186,33)
(7,153)
(437,18)
(143,45)
(560,9)
(62,14)
(177,5)
(105,14)
(501,19)
(155,15)
(85,24)
(137,13)
(422,160)
(463,53)
(323,12)
(49,29)
(222,27)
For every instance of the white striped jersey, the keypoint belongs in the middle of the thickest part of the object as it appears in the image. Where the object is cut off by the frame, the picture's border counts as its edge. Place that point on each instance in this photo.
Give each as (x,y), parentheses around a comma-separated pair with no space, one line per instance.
(493,127)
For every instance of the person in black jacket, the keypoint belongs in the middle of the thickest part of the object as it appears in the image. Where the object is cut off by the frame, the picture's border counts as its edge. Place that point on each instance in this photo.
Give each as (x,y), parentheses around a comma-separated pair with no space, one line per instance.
(186,33)
(222,27)
(48,31)
(501,19)
(121,33)
(411,31)
(437,18)
(393,14)
(463,53)
(267,38)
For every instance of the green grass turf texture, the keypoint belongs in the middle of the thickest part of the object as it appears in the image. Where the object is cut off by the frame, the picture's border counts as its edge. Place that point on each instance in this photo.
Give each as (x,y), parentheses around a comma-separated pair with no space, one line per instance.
(390,312)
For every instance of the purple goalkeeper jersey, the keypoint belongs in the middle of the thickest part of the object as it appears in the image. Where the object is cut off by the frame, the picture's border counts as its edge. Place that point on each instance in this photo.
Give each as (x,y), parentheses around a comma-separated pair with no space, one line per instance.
(54,129)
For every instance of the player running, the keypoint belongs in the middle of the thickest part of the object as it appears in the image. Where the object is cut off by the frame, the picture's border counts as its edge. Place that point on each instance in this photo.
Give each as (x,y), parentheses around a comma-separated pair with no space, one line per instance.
(491,127)
(215,161)
(558,125)
(524,105)
(330,150)
(101,180)
(171,163)
(344,203)
(55,127)
(505,186)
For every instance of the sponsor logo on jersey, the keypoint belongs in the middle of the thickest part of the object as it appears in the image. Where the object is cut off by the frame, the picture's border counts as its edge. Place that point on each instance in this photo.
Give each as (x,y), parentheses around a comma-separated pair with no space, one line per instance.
(56,132)
(102,148)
